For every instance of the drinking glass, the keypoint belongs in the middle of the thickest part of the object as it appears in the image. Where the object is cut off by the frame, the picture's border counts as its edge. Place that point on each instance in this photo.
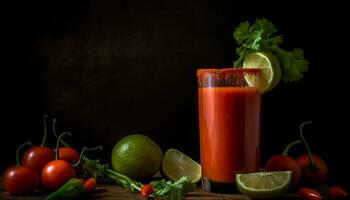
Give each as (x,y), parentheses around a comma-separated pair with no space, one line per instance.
(229,123)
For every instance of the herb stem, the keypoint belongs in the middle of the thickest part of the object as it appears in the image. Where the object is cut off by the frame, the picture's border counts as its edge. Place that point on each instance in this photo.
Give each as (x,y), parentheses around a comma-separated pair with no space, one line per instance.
(115,176)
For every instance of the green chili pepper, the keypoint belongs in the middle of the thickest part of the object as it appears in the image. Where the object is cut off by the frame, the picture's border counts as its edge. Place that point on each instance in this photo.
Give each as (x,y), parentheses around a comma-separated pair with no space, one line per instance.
(71,189)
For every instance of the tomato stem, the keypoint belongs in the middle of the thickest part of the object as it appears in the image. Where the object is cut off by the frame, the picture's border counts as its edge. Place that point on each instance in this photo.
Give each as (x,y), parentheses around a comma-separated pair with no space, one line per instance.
(18,149)
(43,143)
(290,145)
(82,153)
(54,121)
(311,161)
(58,143)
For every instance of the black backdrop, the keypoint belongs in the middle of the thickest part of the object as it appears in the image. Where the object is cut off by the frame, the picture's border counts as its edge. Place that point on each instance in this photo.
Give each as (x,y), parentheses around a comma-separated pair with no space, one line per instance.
(106,69)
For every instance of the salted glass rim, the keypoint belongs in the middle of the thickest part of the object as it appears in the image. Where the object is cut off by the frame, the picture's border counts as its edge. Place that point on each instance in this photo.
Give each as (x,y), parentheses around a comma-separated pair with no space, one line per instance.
(202,71)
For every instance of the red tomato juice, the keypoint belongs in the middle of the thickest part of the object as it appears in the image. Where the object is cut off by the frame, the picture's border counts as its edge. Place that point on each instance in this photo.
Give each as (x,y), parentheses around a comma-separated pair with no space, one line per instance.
(229,120)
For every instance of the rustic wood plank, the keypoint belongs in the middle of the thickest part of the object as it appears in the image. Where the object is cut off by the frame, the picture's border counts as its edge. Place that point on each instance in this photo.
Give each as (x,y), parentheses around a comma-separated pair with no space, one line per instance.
(109,192)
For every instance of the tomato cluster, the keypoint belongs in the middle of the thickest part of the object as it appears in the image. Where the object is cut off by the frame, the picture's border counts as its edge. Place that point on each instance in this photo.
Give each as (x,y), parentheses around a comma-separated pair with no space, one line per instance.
(44,167)
(308,168)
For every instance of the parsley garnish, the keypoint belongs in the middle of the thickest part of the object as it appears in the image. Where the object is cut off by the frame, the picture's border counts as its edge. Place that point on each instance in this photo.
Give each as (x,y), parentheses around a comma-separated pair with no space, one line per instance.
(260,36)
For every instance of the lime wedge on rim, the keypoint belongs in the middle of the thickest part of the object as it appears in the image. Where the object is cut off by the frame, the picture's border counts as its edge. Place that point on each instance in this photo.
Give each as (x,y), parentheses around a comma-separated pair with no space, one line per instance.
(264,184)
(270,70)
(176,164)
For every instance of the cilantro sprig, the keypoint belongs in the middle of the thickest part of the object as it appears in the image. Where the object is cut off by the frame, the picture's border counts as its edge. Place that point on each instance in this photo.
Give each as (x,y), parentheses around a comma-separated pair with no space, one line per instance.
(260,36)
(164,189)
(173,190)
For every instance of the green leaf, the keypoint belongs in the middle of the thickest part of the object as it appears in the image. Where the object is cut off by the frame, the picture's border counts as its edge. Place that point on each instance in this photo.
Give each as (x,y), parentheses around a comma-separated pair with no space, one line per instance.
(242,32)
(293,63)
(266,27)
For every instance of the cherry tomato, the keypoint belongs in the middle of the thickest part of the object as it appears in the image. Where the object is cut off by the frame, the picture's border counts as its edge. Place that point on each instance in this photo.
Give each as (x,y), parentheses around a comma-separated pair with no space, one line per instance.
(70,155)
(309,194)
(20,180)
(316,174)
(146,190)
(56,173)
(37,157)
(284,163)
(313,169)
(89,184)
(336,191)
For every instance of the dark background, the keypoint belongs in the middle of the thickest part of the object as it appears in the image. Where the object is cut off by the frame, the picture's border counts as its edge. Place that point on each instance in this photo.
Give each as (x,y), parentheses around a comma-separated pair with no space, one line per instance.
(107,69)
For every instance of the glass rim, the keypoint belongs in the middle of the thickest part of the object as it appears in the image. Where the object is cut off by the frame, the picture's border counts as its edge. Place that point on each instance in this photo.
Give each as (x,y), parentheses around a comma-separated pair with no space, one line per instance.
(202,71)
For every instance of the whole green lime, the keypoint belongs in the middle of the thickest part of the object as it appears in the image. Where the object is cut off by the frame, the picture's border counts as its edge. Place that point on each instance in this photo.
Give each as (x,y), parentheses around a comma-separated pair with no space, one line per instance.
(136,156)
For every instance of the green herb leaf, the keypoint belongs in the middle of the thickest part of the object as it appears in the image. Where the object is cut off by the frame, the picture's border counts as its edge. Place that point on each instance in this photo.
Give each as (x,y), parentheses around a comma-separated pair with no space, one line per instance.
(242,32)
(260,37)
(293,63)
(173,190)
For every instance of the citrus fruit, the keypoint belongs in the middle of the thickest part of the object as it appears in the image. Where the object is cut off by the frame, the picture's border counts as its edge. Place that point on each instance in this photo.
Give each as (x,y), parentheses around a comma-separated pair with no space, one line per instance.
(136,156)
(264,184)
(176,164)
(270,70)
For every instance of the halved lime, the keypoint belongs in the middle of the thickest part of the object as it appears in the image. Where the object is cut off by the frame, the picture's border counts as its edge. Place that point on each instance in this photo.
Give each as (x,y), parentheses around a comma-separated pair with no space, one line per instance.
(264,184)
(176,164)
(270,70)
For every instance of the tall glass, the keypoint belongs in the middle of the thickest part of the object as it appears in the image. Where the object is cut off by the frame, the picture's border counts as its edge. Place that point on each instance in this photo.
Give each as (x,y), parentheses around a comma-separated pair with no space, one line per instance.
(229,122)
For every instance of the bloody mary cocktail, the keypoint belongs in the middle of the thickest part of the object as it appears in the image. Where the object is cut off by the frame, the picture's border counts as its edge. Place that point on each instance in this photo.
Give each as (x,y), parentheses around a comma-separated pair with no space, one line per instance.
(229,122)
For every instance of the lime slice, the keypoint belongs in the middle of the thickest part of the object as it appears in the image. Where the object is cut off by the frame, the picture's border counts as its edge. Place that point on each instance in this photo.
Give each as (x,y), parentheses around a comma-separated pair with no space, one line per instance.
(264,184)
(270,70)
(176,164)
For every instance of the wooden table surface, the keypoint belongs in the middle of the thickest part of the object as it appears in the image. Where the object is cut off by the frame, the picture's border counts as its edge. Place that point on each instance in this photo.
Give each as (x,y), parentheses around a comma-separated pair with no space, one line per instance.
(109,191)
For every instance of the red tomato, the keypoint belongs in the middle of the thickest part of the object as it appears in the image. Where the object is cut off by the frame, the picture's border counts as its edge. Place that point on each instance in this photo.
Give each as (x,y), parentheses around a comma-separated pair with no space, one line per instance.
(37,157)
(56,173)
(336,191)
(20,180)
(284,163)
(70,155)
(89,185)
(146,190)
(309,194)
(317,175)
